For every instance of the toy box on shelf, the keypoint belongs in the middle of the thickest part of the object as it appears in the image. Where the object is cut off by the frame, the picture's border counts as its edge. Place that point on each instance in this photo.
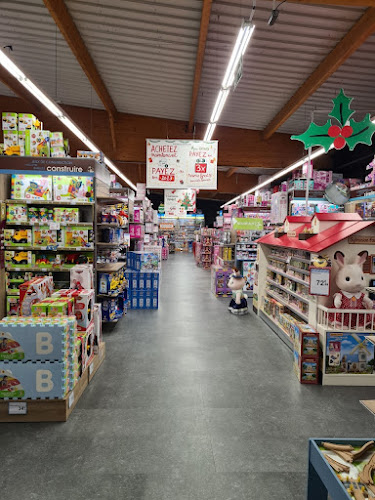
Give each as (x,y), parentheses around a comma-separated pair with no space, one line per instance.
(299,267)
(112,290)
(143,292)
(219,281)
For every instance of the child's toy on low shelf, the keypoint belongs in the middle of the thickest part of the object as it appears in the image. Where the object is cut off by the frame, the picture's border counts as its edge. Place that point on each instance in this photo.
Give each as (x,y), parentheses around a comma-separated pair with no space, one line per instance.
(351,283)
(17,237)
(31,187)
(16,213)
(17,259)
(73,188)
(238,304)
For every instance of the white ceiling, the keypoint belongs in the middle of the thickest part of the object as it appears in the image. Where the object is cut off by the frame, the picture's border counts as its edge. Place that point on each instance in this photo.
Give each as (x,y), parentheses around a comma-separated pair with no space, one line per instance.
(145,51)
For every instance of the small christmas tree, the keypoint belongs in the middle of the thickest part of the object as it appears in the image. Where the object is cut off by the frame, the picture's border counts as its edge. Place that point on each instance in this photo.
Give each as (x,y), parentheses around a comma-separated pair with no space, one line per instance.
(186,202)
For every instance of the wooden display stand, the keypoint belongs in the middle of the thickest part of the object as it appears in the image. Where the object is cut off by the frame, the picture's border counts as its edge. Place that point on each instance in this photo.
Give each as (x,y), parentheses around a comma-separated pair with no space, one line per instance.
(52,410)
(279,274)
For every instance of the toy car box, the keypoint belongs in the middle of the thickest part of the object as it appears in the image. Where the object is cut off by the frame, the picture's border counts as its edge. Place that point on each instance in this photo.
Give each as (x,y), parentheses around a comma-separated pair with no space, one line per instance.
(37,143)
(17,259)
(43,236)
(31,187)
(34,379)
(17,237)
(65,214)
(17,213)
(73,188)
(9,120)
(36,338)
(26,121)
(78,237)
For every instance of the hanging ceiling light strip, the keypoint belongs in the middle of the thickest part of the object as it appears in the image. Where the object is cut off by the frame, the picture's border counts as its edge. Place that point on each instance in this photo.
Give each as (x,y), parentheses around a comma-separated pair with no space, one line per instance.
(242,41)
(56,110)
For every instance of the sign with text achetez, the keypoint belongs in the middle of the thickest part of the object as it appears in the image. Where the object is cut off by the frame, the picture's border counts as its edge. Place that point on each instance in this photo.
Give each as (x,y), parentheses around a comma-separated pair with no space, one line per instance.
(247,224)
(319,281)
(174,163)
(178,202)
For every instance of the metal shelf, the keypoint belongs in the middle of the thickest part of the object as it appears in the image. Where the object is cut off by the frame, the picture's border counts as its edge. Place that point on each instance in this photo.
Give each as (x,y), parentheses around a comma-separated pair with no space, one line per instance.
(289,306)
(51,202)
(293,278)
(290,292)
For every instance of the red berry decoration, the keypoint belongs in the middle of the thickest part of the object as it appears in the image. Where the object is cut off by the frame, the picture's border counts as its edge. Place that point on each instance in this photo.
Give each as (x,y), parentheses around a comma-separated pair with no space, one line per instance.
(339,142)
(347,131)
(334,131)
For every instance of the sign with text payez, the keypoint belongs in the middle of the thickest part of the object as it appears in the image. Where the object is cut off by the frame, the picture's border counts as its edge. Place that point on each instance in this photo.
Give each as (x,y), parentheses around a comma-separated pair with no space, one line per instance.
(181,164)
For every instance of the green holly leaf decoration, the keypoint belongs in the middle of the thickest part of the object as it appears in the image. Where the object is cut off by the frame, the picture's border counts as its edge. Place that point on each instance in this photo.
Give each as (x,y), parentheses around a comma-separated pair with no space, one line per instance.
(341,108)
(362,132)
(316,135)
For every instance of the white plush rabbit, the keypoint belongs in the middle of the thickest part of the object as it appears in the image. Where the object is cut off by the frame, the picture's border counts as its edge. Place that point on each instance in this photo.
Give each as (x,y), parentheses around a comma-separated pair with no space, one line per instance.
(351,282)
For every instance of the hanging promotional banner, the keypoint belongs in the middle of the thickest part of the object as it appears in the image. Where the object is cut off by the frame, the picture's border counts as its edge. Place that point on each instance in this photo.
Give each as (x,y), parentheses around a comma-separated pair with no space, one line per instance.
(181,164)
(178,202)
(247,224)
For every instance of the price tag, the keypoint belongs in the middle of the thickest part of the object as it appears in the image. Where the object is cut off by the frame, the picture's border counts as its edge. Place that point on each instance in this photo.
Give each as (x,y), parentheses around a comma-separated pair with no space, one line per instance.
(320,281)
(71,399)
(54,225)
(17,408)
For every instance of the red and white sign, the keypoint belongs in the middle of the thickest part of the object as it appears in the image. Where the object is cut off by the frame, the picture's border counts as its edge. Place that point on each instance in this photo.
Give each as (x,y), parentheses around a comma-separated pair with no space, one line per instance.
(178,202)
(172,164)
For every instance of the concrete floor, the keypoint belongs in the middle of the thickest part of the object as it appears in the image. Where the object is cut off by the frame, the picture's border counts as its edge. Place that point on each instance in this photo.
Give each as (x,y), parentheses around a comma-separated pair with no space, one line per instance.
(192,403)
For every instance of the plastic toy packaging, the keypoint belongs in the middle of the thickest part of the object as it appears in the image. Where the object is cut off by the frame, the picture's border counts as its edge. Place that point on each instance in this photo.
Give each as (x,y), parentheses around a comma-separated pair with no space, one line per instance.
(17,237)
(81,277)
(34,291)
(44,236)
(16,213)
(37,143)
(9,120)
(73,188)
(31,187)
(65,214)
(77,237)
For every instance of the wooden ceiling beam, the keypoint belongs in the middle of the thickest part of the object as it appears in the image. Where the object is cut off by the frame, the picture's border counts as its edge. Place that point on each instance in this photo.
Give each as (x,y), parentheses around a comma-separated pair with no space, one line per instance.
(231,171)
(205,21)
(361,30)
(69,30)
(341,3)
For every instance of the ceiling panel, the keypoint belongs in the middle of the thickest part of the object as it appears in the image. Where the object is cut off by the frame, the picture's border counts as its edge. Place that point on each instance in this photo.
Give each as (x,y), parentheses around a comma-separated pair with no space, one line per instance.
(278,60)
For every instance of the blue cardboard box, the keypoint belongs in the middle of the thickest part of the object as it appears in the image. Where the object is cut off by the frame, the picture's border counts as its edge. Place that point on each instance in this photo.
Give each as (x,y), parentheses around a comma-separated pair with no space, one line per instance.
(33,379)
(35,338)
(148,281)
(155,281)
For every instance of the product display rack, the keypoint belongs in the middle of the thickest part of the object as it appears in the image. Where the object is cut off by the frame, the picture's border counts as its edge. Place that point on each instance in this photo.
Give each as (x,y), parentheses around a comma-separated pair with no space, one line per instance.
(51,410)
(112,224)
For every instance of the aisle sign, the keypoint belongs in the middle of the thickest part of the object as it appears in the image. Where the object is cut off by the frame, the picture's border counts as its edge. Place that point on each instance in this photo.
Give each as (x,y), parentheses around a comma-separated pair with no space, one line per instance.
(247,224)
(181,164)
(319,281)
(178,202)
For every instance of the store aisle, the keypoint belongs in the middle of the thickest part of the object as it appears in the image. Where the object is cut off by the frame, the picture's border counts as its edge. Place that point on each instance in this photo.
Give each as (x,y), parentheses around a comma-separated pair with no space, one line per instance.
(192,403)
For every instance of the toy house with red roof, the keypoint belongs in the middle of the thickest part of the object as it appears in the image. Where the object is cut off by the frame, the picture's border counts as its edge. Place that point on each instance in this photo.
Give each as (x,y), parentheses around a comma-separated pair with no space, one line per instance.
(303,250)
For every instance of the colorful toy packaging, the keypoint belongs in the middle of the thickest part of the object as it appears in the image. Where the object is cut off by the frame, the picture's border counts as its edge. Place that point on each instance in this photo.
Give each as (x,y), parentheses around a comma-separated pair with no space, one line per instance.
(36,339)
(34,291)
(89,154)
(82,277)
(65,214)
(21,142)
(143,261)
(34,379)
(17,213)
(44,236)
(58,152)
(98,333)
(16,259)
(87,346)
(73,188)
(83,306)
(56,139)
(306,353)
(13,306)
(31,187)
(37,143)
(17,237)
(348,353)
(26,121)
(54,306)
(9,120)
(10,138)
(78,237)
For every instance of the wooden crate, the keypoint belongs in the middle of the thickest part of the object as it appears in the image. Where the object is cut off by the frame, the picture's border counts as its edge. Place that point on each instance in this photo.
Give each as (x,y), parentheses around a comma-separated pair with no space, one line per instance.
(54,410)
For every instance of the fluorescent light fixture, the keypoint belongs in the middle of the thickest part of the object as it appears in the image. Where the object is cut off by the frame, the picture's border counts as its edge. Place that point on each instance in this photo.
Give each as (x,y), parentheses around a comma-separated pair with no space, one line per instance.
(293,166)
(239,49)
(55,109)
(209,131)
(219,105)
